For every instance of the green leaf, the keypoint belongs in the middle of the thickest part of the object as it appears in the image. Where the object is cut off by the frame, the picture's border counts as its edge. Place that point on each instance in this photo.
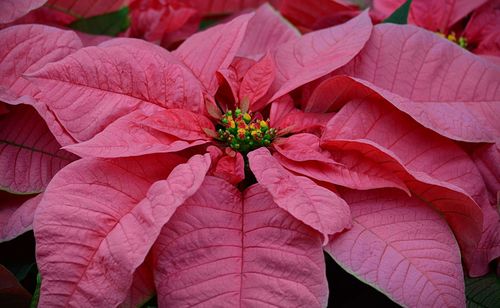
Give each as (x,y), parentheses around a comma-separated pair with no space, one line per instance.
(107,24)
(210,22)
(483,291)
(400,16)
(36,295)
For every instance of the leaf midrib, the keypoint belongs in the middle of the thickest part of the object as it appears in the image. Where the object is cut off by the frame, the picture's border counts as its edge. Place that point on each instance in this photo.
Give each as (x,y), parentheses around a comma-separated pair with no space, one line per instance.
(33,149)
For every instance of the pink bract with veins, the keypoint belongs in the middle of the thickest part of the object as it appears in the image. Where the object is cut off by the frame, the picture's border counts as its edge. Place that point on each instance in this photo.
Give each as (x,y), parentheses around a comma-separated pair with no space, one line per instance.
(30,151)
(367,167)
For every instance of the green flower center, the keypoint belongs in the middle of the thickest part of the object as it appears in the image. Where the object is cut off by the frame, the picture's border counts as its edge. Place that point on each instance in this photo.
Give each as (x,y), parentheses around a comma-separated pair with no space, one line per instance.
(452,37)
(244,132)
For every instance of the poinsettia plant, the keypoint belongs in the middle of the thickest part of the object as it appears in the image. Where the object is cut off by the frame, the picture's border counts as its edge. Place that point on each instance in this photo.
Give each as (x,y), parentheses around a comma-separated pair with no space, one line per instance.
(217,174)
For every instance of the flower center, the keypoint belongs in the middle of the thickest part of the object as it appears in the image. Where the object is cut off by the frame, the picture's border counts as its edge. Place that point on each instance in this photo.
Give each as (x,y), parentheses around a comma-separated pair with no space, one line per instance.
(461,41)
(244,132)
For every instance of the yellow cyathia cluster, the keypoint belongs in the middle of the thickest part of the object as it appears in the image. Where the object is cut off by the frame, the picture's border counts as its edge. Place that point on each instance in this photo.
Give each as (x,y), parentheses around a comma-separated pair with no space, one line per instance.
(243,132)
(461,41)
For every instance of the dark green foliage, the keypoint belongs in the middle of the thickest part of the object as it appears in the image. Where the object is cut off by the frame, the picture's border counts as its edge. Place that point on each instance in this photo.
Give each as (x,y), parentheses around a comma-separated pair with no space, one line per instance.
(400,16)
(108,24)
(483,291)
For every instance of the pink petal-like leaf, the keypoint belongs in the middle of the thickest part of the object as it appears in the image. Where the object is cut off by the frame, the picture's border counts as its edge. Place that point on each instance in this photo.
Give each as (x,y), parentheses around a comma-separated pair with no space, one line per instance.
(87,8)
(257,80)
(487,160)
(220,7)
(319,53)
(428,157)
(483,29)
(29,154)
(331,94)
(428,77)
(310,203)
(180,123)
(488,248)
(309,13)
(18,57)
(301,154)
(303,147)
(136,134)
(266,30)
(224,250)
(16,214)
(230,168)
(300,121)
(11,10)
(211,50)
(97,85)
(152,20)
(285,116)
(441,15)
(99,218)
(402,247)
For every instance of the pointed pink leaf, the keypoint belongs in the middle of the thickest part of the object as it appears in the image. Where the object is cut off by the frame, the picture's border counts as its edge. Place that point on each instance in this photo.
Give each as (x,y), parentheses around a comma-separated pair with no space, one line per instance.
(99,218)
(211,50)
(18,56)
(229,84)
(220,7)
(152,20)
(428,157)
(487,160)
(96,85)
(29,154)
(428,77)
(401,247)
(230,168)
(441,15)
(11,10)
(319,53)
(301,154)
(266,30)
(224,250)
(299,121)
(281,108)
(303,147)
(331,94)
(461,211)
(16,214)
(308,13)
(87,8)
(257,80)
(129,136)
(483,29)
(312,204)
(182,124)
(488,248)
(419,149)
(286,117)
